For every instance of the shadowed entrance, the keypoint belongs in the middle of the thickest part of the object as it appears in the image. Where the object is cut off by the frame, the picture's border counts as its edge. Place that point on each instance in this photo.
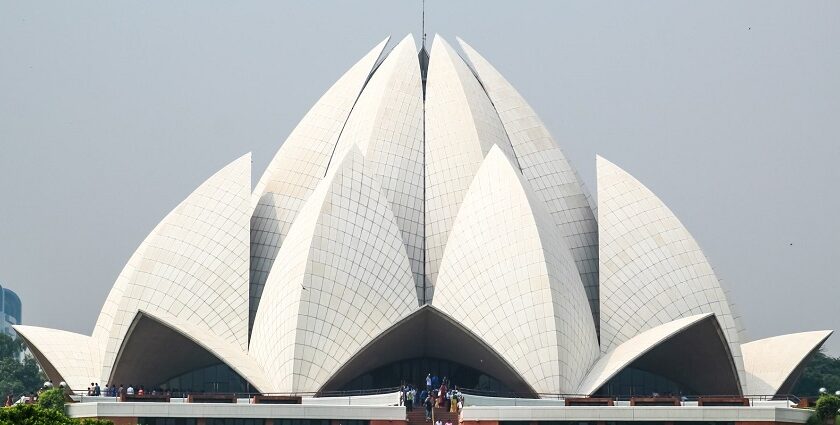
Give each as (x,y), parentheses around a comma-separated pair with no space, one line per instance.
(155,355)
(695,361)
(427,337)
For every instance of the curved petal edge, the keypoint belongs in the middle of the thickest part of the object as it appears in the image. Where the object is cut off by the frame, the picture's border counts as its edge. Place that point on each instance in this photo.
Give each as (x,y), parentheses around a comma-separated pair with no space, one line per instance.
(64,356)
(774,364)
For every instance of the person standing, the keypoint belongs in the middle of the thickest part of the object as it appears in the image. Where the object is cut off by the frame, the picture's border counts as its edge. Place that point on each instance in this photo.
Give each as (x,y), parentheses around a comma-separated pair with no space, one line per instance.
(442,394)
(427,405)
(402,395)
(409,400)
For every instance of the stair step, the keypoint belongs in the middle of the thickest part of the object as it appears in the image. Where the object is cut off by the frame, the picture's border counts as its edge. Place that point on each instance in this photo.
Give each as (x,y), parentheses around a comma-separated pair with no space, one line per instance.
(418,416)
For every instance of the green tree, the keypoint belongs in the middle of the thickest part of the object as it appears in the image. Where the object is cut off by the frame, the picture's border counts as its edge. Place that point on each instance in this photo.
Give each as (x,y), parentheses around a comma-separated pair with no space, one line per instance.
(822,371)
(827,407)
(52,399)
(48,411)
(32,414)
(17,377)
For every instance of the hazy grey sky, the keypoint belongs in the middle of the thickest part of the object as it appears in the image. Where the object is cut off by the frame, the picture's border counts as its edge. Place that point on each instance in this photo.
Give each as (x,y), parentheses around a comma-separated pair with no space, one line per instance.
(112,112)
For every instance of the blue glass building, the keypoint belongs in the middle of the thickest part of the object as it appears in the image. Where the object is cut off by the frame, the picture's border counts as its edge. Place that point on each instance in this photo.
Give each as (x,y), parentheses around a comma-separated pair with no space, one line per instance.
(10,309)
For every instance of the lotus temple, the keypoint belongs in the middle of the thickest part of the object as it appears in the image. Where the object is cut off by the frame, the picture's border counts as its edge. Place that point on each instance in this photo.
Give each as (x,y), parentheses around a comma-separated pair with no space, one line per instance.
(420,219)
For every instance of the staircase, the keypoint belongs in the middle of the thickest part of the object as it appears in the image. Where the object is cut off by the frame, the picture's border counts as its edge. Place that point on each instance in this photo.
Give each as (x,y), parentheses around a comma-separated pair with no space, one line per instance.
(418,416)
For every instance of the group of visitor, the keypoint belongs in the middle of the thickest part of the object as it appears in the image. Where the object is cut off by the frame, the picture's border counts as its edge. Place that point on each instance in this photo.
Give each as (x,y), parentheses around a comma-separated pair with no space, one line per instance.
(130,390)
(437,393)
(114,391)
(94,390)
(27,398)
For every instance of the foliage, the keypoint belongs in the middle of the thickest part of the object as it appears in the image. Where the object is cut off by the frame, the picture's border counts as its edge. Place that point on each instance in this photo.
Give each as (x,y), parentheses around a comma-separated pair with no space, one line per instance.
(827,406)
(822,371)
(17,377)
(88,421)
(52,399)
(813,420)
(33,414)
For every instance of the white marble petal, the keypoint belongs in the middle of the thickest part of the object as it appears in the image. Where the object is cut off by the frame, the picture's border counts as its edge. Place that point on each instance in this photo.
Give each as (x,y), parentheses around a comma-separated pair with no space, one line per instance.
(345,279)
(770,362)
(297,168)
(194,265)
(387,127)
(652,271)
(508,275)
(461,127)
(74,358)
(547,170)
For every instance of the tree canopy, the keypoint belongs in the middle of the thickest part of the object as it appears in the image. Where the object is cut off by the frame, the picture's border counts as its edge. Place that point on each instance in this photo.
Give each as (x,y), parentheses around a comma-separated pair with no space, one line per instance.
(19,374)
(822,371)
(48,411)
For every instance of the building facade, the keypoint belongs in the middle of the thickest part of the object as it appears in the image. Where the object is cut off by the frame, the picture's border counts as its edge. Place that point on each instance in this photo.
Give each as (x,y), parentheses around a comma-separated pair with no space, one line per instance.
(11,310)
(420,219)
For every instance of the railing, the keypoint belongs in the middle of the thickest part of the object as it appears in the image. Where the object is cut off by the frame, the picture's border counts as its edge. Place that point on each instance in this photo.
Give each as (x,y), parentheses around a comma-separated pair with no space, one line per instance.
(684,399)
(627,397)
(252,397)
(335,393)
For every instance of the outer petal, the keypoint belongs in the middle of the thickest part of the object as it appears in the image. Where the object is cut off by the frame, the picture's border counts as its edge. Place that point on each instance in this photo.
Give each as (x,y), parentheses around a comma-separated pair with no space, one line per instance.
(64,356)
(194,265)
(183,346)
(297,168)
(387,127)
(652,271)
(694,340)
(774,364)
(508,276)
(461,127)
(345,278)
(547,170)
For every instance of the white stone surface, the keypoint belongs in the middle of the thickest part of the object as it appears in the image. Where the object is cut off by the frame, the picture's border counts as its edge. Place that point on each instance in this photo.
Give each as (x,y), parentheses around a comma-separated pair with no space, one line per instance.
(547,170)
(387,127)
(508,276)
(635,413)
(387,399)
(194,265)
(238,410)
(769,362)
(74,356)
(615,360)
(652,271)
(477,400)
(297,168)
(461,127)
(345,278)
